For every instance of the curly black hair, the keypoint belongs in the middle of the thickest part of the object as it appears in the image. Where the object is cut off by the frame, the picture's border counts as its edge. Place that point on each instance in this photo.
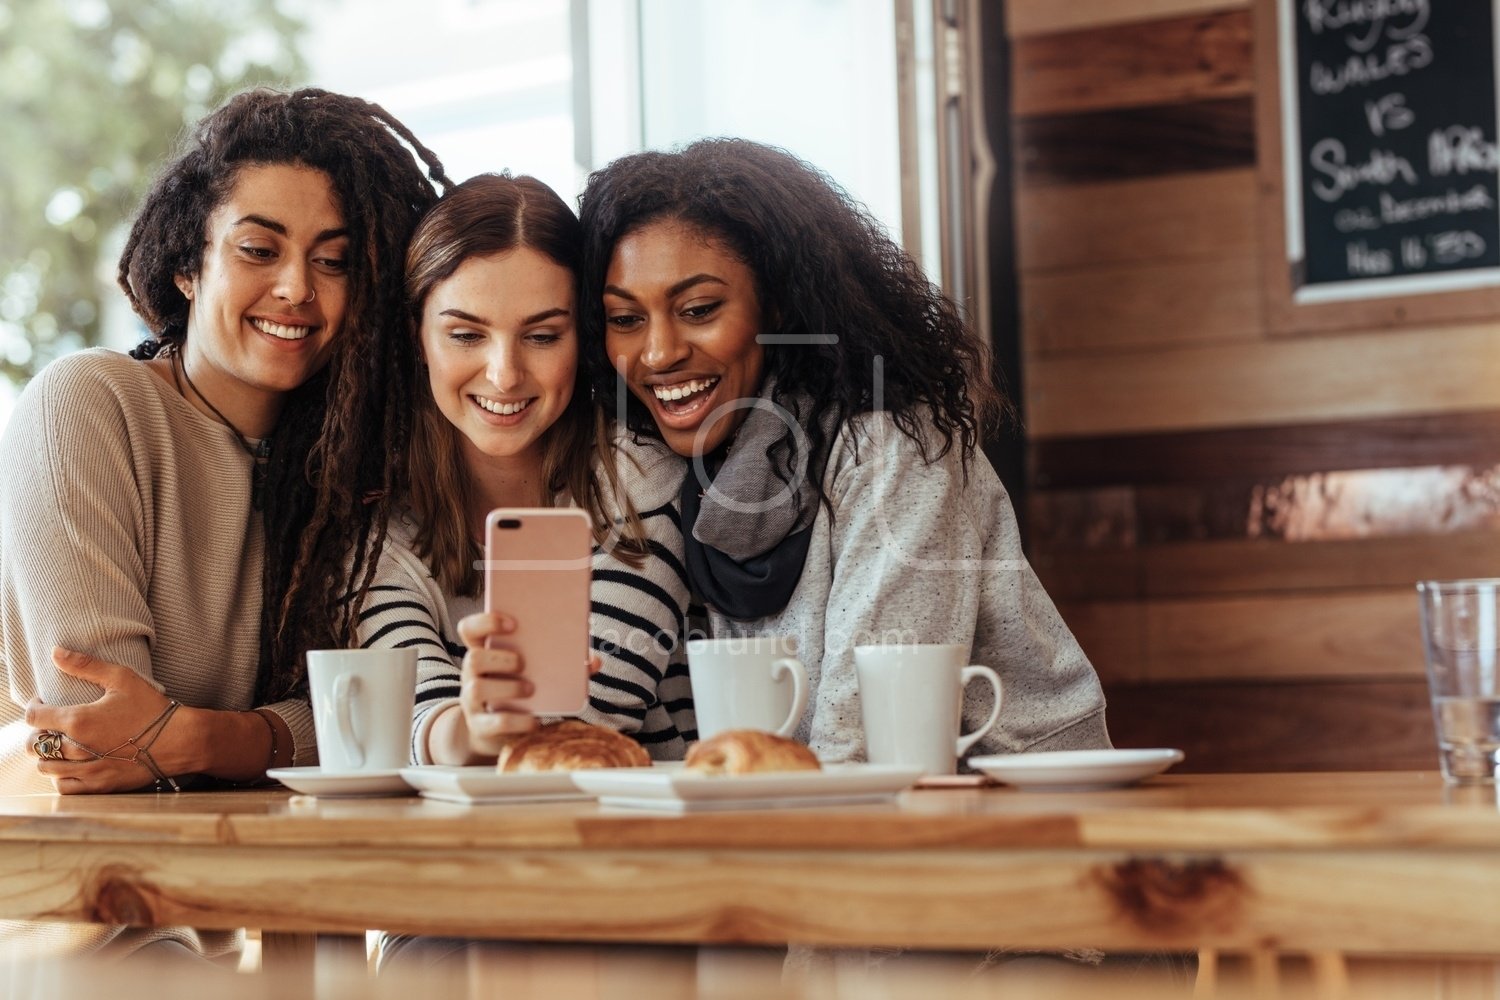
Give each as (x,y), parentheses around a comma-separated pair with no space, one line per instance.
(338,449)
(848,308)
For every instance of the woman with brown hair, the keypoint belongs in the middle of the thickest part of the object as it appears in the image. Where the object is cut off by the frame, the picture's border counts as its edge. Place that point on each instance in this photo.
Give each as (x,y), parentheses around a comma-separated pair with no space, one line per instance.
(505,420)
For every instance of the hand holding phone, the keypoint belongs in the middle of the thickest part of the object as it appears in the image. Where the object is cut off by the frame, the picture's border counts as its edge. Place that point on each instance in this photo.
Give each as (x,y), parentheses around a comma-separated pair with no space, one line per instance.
(538,568)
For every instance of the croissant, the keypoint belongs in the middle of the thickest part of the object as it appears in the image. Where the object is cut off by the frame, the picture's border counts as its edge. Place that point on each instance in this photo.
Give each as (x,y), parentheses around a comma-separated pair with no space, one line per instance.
(749,751)
(570,745)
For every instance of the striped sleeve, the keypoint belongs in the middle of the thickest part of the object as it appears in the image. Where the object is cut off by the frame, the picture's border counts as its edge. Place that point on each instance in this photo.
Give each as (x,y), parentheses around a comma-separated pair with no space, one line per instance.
(635,626)
(405,609)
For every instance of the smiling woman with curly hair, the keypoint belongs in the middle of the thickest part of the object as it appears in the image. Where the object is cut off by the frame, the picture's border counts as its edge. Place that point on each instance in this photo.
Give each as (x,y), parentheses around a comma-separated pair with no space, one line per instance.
(744,309)
(176,526)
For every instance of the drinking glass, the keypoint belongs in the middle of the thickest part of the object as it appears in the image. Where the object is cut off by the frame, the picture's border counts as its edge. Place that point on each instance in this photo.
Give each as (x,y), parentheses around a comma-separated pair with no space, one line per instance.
(1461,637)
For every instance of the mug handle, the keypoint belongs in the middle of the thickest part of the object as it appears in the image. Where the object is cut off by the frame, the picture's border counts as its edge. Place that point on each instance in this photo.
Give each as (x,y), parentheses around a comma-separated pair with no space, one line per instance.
(968,674)
(792,665)
(345,686)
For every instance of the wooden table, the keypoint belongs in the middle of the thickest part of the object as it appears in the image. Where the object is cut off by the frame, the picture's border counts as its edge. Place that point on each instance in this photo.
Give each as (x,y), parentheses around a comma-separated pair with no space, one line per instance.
(1356,863)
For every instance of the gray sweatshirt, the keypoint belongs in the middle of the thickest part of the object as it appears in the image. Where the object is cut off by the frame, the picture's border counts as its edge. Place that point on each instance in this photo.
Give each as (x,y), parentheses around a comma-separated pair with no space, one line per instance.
(916,553)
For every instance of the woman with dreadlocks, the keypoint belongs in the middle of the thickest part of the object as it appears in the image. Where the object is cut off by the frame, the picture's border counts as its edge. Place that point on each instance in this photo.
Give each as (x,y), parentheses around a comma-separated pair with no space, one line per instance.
(175,525)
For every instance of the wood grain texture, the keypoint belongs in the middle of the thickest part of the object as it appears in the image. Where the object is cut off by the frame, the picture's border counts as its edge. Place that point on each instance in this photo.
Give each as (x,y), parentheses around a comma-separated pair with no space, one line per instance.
(1470,438)
(1136,142)
(1173,811)
(1269,864)
(1291,637)
(1318,507)
(1190,215)
(1133,65)
(1298,637)
(1025,18)
(1094,519)
(1421,370)
(1371,901)
(1112,633)
(1252,566)
(1139,306)
(1258,726)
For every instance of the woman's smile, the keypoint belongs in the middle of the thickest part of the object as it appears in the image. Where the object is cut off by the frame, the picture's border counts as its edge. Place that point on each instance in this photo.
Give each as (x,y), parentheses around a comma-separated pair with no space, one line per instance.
(682,326)
(501,352)
(503,413)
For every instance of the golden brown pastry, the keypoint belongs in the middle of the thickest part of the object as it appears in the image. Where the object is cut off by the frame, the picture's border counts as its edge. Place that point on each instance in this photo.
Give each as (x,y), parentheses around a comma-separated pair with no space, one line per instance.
(570,745)
(749,751)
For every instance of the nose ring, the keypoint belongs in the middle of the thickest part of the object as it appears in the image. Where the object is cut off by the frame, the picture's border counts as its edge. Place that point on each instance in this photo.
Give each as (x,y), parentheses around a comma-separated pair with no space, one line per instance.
(312,293)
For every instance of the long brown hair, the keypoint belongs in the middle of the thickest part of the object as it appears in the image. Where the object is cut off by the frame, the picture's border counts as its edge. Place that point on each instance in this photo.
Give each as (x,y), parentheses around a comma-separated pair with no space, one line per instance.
(486,215)
(338,446)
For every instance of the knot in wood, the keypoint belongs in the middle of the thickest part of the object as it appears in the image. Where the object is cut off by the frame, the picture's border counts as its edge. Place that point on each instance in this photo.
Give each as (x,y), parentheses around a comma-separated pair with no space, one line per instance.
(119,895)
(1168,896)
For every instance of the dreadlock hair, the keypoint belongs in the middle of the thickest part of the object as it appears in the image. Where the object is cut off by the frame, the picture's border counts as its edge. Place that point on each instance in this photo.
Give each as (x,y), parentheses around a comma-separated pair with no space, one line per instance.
(489,215)
(338,447)
(856,324)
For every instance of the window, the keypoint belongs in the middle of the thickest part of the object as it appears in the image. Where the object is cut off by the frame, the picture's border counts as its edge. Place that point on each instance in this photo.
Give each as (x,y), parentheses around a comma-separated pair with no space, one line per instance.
(551,88)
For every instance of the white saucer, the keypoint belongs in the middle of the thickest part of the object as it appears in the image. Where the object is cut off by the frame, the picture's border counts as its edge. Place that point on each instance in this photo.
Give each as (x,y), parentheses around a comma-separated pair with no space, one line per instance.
(671,789)
(316,781)
(481,784)
(1076,769)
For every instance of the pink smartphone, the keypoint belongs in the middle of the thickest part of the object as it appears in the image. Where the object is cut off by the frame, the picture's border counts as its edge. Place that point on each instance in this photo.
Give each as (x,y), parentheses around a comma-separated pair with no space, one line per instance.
(538,567)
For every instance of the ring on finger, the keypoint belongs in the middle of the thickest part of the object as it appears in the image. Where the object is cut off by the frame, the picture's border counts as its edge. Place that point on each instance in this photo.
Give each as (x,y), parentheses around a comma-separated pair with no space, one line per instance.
(48,745)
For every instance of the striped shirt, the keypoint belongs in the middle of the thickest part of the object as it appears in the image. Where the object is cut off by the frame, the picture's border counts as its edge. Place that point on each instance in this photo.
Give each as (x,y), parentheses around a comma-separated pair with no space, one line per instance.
(636,621)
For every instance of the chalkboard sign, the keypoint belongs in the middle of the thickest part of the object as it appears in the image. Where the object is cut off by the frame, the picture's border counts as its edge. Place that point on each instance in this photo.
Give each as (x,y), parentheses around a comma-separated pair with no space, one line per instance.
(1389,118)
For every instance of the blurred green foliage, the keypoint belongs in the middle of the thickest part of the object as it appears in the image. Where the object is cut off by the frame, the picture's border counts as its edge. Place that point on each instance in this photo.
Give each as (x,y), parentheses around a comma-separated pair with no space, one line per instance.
(93,97)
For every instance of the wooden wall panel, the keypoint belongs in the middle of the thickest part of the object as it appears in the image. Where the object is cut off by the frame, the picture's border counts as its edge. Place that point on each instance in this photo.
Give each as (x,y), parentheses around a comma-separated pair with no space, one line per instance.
(1285,637)
(1152,304)
(1135,142)
(1429,502)
(1134,65)
(1168,218)
(1025,18)
(1266,453)
(1255,567)
(1261,383)
(1231,519)
(1325,635)
(1113,634)
(1283,567)
(1316,726)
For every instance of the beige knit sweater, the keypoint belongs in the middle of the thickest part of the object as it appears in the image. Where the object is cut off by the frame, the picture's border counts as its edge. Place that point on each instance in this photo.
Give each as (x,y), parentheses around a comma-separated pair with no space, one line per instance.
(127,532)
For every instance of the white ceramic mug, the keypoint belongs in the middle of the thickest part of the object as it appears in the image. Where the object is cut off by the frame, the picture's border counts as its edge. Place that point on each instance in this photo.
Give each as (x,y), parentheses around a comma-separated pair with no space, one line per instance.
(912,698)
(362,703)
(749,682)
